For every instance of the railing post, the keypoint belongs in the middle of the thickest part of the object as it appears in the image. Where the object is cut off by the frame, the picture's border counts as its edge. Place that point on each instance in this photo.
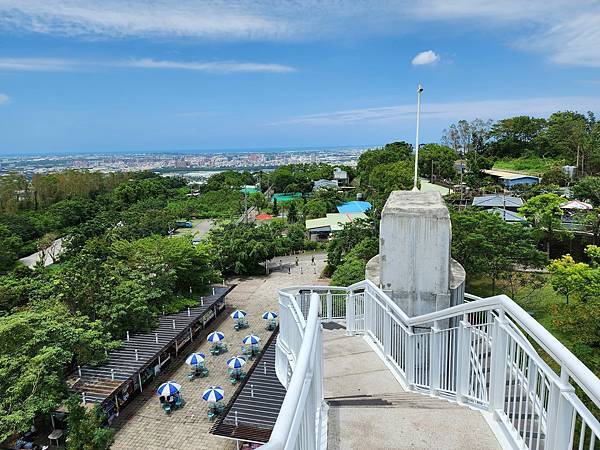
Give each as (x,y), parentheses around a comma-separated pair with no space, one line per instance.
(410,358)
(560,413)
(387,332)
(498,366)
(350,312)
(434,358)
(463,363)
(329,302)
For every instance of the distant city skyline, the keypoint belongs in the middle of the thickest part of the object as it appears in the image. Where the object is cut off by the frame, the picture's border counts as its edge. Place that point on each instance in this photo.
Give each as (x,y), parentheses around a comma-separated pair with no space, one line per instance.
(191,151)
(199,165)
(113,76)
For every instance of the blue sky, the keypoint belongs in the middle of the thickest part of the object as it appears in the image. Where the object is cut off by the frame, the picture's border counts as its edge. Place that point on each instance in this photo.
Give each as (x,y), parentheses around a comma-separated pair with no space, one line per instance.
(89,75)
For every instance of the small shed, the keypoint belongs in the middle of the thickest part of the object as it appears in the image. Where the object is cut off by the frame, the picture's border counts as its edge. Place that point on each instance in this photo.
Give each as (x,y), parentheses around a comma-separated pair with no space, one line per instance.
(510,179)
(354,207)
(282,198)
(322,228)
(263,217)
(507,215)
(325,184)
(576,205)
(249,189)
(498,201)
(341,176)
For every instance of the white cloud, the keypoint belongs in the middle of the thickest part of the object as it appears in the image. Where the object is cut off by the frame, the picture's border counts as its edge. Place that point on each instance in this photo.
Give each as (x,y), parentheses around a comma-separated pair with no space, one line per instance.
(495,109)
(427,57)
(572,41)
(37,64)
(4,99)
(57,64)
(217,66)
(567,31)
(165,18)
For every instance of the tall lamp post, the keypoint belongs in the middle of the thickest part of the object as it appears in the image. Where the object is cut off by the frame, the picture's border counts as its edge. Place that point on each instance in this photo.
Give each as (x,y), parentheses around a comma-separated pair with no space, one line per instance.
(419,91)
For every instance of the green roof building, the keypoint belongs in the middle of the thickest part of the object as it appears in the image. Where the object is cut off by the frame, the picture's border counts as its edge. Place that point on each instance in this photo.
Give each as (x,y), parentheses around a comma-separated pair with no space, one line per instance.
(282,198)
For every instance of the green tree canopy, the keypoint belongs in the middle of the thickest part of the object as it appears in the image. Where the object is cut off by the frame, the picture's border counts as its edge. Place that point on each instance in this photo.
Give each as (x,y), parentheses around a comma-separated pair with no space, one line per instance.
(36,347)
(544,213)
(437,159)
(86,428)
(516,136)
(228,179)
(588,188)
(347,238)
(391,153)
(486,245)
(241,249)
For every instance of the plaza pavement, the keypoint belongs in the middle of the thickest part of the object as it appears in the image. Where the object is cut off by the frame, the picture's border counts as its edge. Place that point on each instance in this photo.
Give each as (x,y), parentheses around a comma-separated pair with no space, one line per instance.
(143,424)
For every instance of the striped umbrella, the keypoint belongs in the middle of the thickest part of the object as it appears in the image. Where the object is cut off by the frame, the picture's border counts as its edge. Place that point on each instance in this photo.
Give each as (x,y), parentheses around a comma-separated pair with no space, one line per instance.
(213,394)
(167,389)
(238,314)
(269,315)
(251,339)
(215,336)
(195,358)
(237,362)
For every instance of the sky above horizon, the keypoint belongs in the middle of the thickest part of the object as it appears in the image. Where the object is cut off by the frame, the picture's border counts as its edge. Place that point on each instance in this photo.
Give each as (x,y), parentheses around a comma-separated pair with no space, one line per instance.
(115,75)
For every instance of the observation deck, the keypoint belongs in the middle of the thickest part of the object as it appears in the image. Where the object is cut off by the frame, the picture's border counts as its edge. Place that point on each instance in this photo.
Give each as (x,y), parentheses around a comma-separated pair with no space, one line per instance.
(359,373)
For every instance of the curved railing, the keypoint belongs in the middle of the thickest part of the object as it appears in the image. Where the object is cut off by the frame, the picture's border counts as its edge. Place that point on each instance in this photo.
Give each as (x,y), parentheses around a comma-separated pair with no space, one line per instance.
(299,367)
(481,353)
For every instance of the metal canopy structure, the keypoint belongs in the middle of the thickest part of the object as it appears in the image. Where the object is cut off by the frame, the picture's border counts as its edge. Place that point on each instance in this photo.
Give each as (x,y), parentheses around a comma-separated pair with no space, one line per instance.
(140,352)
(253,409)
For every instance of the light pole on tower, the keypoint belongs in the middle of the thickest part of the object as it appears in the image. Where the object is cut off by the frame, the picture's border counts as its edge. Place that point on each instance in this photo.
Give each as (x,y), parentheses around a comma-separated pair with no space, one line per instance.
(419,91)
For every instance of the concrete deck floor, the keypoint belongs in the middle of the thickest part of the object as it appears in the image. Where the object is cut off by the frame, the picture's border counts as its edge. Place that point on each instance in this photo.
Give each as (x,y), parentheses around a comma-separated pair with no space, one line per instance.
(369,408)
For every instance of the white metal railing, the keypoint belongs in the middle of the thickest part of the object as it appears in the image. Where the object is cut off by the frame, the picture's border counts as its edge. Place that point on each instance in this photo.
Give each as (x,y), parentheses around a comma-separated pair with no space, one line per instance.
(299,367)
(480,353)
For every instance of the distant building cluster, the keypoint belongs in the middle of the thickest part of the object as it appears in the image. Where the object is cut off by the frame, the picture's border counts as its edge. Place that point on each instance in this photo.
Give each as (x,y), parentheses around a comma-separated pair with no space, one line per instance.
(192,165)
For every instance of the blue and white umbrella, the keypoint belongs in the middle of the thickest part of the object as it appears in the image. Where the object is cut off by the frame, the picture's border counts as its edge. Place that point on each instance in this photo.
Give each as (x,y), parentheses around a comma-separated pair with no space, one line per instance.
(215,336)
(251,339)
(269,315)
(167,389)
(213,394)
(238,314)
(237,362)
(195,358)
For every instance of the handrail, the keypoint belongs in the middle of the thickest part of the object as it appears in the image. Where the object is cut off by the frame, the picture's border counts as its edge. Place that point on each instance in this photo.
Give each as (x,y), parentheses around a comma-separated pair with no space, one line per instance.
(283,425)
(584,377)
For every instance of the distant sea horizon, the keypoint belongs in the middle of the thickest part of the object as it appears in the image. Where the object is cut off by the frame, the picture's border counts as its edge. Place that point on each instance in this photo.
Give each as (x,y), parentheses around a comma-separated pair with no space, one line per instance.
(31,154)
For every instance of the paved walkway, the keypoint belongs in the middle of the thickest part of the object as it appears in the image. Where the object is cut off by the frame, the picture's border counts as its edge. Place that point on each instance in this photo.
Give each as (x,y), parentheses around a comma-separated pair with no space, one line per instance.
(369,408)
(143,425)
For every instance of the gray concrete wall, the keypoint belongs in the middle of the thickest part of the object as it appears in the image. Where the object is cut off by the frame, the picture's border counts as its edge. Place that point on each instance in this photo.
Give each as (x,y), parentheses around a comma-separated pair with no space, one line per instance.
(415,239)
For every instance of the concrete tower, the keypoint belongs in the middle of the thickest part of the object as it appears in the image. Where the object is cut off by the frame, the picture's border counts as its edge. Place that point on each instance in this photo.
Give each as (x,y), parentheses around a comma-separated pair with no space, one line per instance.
(414,265)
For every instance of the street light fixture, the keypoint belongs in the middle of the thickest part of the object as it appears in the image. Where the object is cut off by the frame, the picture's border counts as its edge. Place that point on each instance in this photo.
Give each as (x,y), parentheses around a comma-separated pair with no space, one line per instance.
(419,91)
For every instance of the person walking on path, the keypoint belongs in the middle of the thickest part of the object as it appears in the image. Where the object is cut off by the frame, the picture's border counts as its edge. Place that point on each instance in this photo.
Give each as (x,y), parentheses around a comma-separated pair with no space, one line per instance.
(312,260)
(296,260)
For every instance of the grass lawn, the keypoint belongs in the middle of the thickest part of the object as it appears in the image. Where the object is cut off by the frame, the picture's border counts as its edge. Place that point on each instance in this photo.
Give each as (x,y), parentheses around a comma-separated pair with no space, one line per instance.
(530,166)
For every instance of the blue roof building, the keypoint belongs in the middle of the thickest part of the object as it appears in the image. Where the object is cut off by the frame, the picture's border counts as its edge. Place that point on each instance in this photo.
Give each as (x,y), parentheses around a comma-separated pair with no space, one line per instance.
(354,207)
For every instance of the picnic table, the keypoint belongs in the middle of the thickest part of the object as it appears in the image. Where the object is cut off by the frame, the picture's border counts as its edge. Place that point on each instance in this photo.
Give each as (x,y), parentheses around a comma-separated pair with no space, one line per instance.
(236,375)
(214,409)
(241,324)
(252,351)
(219,348)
